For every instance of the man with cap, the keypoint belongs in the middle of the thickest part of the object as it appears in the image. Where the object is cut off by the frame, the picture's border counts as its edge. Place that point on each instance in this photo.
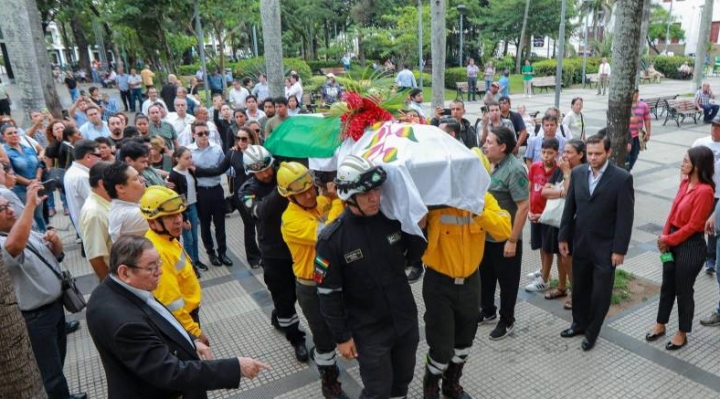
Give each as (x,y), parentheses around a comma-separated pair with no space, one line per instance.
(363,291)
(331,91)
(179,287)
(304,217)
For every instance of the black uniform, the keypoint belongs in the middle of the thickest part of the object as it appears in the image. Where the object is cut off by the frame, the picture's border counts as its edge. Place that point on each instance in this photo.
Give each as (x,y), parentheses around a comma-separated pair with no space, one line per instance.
(365,295)
(263,201)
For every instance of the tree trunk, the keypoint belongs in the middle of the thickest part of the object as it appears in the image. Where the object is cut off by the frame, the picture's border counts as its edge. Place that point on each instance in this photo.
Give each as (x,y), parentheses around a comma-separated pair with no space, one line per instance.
(702,44)
(272,45)
(518,53)
(82,44)
(437,48)
(622,81)
(21,29)
(643,36)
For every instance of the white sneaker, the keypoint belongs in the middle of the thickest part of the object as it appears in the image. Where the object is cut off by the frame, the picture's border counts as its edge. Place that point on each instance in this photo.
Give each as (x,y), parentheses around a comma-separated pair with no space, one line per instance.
(534,275)
(538,285)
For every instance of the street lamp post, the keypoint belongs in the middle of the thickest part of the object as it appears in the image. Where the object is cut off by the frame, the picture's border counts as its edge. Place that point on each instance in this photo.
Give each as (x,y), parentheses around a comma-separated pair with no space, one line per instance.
(667,29)
(462,9)
(420,43)
(585,44)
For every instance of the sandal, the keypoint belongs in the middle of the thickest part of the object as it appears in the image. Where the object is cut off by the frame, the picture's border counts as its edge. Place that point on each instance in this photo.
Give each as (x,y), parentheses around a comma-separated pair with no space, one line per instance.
(556,293)
(568,305)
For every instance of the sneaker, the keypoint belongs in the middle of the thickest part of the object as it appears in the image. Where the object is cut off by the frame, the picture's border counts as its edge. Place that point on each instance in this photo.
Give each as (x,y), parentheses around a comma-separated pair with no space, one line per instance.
(487,319)
(534,275)
(709,266)
(712,320)
(501,331)
(415,274)
(538,285)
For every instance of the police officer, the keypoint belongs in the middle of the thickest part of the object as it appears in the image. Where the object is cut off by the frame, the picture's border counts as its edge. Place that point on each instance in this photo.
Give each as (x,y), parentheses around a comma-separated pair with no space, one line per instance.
(262,200)
(451,289)
(363,291)
(305,216)
(179,288)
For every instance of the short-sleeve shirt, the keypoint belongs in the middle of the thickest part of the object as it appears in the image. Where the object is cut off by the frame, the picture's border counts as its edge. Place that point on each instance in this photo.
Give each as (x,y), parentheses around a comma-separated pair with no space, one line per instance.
(94,228)
(534,146)
(164,130)
(472,71)
(642,112)
(509,185)
(702,97)
(575,124)
(538,177)
(125,218)
(527,71)
(517,121)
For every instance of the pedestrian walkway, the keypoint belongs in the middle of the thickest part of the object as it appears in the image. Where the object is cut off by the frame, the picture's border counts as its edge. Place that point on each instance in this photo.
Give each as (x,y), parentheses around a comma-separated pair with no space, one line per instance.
(534,362)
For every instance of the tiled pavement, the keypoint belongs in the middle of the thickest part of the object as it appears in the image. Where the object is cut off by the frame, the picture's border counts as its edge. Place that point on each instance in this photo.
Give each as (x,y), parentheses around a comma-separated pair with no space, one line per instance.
(532,363)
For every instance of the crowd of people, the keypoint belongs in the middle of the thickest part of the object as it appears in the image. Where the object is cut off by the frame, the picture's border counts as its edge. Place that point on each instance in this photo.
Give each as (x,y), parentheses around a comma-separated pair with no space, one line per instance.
(137,194)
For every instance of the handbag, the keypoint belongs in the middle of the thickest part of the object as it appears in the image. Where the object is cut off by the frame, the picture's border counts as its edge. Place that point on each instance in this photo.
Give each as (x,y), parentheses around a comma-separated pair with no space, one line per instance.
(552,214)
(73,300)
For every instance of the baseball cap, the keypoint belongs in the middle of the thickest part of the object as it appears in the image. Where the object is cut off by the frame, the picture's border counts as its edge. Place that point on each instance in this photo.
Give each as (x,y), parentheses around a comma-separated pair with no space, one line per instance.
(330,75)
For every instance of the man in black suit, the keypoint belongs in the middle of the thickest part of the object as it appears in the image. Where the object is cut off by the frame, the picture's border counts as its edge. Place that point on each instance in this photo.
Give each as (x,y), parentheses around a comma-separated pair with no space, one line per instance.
(596,224)
(145,351)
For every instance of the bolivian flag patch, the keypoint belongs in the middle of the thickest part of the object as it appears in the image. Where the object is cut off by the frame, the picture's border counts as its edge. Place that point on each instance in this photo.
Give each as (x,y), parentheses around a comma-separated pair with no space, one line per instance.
(321,268)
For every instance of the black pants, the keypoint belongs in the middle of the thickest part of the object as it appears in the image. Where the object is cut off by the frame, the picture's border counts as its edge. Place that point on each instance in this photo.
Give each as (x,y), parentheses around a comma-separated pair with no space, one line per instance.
(125,97)
(252,252)
(46,329)
(678,281)
(387,368)
(211,211)
(280,280)
(307,297)
(591,294)
(4,106)
(496,268)
(451,314)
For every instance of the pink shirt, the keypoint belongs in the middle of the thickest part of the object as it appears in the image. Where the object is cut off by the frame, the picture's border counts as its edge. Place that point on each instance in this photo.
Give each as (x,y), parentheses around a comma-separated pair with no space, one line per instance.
(642,112)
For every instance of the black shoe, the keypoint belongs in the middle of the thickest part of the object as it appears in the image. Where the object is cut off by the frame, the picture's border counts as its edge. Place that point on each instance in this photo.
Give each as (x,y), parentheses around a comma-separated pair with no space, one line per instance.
(301,352)
(71,326)
(197,273)
(225,260)
(571,332)
(587,344)
(82,395)
(415,274)
(672,347)
(502,330)
(201,266)
(254,263)
(487,319)
(214,260)
(651,336)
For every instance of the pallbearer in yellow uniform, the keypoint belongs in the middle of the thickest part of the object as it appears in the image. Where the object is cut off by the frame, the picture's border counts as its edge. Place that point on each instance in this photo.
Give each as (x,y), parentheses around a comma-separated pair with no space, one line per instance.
(306,215)
(451,288)
(179,288)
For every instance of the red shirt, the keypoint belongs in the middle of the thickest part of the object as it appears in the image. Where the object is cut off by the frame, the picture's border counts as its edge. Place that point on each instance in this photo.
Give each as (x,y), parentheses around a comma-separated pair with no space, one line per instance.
(538,178)
(689,211)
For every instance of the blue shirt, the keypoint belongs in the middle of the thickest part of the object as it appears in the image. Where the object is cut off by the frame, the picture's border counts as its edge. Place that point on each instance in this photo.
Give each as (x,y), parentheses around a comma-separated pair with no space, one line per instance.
(534,146)
(91,132)
(406,79)
(504,86)
(80,118)
(122,82)
(261,91)
(24,163)
(208,157)
(215,82)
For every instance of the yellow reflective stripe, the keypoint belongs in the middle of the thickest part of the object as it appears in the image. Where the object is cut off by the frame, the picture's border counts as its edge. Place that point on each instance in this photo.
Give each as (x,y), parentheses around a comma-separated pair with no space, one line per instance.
(450,219)
(175,305)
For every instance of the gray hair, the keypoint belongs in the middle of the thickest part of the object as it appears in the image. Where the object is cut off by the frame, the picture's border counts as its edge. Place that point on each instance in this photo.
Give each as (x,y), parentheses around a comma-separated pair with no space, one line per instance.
(127,250)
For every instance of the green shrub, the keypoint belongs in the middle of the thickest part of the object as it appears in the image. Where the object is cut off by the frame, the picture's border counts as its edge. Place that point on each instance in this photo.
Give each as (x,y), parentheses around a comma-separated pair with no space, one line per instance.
(255,66)
(314,83)
(572,69)
(453,75)
(668,65)
(317,65)
(507,62)
(427,78)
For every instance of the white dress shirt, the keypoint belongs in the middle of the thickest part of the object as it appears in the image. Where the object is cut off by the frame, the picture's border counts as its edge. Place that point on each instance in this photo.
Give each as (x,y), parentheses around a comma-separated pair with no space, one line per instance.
(77,190)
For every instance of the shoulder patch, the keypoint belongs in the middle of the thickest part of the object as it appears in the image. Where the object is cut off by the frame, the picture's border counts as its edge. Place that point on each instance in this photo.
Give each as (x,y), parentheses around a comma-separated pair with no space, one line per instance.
(330,229)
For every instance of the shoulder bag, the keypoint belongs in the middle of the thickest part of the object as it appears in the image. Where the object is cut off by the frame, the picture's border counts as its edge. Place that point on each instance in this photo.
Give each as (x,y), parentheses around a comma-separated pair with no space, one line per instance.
(72,298)
(552,214)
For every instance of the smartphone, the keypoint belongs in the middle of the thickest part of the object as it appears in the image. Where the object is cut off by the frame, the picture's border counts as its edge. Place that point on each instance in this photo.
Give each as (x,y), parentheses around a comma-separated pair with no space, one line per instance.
(446,112)
(65,114)
(49,187)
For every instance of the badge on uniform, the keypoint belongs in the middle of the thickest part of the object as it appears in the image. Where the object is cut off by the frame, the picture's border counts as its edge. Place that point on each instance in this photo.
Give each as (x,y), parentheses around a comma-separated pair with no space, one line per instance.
(321,268)
(353,256)
(394,237)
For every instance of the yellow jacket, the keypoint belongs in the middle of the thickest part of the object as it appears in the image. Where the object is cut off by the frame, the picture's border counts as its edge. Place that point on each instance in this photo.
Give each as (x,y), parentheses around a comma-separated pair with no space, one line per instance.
(456,238)
(300,229)
(179,288)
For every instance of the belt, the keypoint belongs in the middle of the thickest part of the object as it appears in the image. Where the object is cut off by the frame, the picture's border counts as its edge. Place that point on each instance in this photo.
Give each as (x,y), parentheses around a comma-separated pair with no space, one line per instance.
(208,188)
(446,278)
(306,282)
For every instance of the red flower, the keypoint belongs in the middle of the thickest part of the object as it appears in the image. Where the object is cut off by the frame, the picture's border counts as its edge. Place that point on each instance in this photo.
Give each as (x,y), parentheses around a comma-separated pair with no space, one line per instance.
(362,113)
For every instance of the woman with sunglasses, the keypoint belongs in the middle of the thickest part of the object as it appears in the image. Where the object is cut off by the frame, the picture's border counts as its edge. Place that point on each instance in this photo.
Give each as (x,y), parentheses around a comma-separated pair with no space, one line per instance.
(234,163)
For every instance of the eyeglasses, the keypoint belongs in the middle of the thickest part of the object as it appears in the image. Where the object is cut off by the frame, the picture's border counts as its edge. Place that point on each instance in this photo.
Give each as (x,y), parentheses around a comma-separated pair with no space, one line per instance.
(4,208)
(256,130)
(152,268)
(243,138)
(202,134)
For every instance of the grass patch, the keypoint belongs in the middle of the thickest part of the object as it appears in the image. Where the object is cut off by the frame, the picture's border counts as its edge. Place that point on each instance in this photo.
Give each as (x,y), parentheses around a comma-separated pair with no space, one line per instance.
(621,289)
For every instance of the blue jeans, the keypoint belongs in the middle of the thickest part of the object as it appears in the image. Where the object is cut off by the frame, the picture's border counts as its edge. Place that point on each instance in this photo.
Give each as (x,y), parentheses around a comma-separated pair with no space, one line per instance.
(710,111)
(46,329)
(74,94)
(632,156)
(190,237)
(51,200)
(488,83)
(39,224)
(472,88)
(136,94)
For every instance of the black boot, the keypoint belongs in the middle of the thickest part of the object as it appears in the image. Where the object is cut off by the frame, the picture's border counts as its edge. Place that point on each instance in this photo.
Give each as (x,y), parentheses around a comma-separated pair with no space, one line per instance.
(274,321)
(431,388)
(451,382)
(331,388)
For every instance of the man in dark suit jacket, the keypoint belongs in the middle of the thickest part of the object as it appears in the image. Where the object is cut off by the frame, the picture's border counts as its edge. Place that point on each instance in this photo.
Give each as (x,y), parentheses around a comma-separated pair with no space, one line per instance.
(144,349)
(597,224)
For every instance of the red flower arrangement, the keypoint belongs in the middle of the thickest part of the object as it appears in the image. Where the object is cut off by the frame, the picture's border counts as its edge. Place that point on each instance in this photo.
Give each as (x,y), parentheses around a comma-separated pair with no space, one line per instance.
(362,112)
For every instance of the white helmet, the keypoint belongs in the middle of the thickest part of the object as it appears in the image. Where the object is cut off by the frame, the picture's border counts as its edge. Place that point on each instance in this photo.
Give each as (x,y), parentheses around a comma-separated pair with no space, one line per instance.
(257,158)
(357,175)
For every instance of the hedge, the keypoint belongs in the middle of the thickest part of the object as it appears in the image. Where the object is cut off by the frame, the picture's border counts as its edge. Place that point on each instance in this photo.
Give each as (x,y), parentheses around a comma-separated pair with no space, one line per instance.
(669,65)
(453,75)
(252,67)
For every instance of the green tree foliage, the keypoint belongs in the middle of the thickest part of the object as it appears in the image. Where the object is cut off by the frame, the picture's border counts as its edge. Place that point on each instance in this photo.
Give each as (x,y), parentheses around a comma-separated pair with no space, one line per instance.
(659,20)
(400,38)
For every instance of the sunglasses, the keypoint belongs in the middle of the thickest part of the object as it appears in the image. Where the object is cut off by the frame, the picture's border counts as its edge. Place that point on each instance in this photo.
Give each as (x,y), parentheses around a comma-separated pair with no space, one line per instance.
(202,134)
(242,138)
